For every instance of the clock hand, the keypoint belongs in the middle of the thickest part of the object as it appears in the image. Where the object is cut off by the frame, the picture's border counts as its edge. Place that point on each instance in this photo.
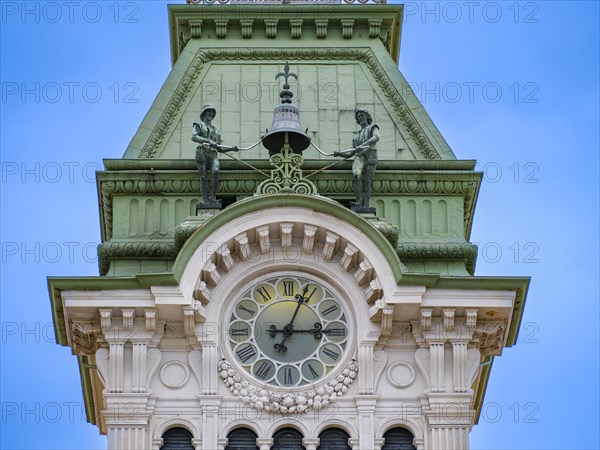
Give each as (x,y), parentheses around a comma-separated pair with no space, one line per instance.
(288,330)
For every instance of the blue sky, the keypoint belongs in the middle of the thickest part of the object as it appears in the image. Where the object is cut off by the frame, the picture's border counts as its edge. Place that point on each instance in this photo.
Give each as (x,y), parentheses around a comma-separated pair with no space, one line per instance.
(514,85)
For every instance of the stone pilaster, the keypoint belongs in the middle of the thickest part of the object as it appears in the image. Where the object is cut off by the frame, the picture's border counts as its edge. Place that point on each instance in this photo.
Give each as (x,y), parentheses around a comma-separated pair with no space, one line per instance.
(365,405)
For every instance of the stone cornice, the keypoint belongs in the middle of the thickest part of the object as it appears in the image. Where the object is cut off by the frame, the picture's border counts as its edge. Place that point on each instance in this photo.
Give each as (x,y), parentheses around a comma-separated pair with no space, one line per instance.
(285,22)
(332,183)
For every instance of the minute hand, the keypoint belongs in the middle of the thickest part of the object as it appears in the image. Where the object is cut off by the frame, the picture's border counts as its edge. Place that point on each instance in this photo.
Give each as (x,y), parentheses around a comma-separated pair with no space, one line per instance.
(288,330)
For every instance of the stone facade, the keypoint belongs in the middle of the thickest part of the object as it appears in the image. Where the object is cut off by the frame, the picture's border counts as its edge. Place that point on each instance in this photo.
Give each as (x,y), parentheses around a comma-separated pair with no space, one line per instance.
(153,333)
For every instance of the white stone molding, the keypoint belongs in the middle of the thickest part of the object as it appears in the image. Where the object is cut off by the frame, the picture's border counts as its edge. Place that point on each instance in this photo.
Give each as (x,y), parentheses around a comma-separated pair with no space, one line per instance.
(448,316)
(210,274)
(317,397)
(310,236)
(202,293)
(459,366)
(437,373)
(285,234)
(373,291)
(115,367)
(189,321)
(139,367)
(310,443)
(210,406)
(471,318)
(366,380)
(364,273)
(349,257)
(242,246)
(153,357)
(163,424)
(197,443)
(174,374)
(264,443)
(224,258)
(263,235)
(401,374)
(366,405)
(209,362)
(105,318)
(426,314)
(150,316)
(380,359)
(157,443)
(195,361)
(331,245)
(423,361)
(378,443)
(128,317)
(102,358)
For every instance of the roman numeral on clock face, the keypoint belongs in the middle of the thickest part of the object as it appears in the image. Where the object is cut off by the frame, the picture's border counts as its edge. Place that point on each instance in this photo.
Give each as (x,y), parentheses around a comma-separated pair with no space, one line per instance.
(243,308)
(262,291)
(332,354)
(263,370)
(330,310)
(312,371)
(246,353)
(287,375)
(239,332)
(288,288)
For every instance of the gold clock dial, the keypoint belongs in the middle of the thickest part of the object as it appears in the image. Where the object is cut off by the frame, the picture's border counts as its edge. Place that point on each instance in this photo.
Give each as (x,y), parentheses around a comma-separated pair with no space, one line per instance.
(288,331)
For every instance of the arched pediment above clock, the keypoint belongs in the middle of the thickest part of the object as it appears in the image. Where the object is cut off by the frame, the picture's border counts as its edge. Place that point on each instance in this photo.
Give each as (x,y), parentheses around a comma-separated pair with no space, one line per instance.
(288,231)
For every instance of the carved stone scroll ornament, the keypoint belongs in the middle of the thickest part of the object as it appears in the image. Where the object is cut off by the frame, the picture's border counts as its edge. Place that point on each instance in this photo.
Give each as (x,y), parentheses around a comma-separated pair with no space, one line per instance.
(262,399)
(85,338)
(490,336)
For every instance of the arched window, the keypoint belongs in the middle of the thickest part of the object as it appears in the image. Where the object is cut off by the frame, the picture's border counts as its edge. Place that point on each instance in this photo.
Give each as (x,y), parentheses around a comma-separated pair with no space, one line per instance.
(287,439)
(177,439)
(398,439)
(334,439)
(241,439)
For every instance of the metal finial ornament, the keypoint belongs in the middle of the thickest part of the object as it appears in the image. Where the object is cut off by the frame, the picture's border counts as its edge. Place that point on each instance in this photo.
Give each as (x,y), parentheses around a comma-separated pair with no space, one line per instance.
(286,95)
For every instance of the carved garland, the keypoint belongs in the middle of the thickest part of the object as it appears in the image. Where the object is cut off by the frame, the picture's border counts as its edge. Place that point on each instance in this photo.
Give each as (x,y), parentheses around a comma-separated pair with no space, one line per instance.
(365,55)
(276,402)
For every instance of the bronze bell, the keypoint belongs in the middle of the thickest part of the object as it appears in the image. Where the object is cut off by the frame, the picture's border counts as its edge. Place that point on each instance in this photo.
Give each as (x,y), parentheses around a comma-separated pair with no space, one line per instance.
(286,126)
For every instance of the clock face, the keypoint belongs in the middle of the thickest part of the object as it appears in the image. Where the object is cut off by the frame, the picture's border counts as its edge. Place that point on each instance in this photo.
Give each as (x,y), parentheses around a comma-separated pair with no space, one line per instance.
(288,331)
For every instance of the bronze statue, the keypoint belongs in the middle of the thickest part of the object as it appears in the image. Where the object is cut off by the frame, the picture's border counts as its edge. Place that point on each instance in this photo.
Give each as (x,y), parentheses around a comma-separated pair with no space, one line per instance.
(207,154)
(365,160)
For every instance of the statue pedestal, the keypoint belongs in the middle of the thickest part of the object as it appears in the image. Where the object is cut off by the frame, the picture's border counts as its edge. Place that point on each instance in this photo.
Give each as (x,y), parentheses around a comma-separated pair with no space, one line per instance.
(361,210)
(202,208)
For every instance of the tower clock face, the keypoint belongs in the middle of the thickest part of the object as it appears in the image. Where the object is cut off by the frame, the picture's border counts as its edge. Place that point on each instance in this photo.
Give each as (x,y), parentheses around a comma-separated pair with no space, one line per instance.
(288,331)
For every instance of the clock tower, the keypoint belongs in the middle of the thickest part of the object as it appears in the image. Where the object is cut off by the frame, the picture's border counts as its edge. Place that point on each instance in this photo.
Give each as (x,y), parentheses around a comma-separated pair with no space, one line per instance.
(263,290)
